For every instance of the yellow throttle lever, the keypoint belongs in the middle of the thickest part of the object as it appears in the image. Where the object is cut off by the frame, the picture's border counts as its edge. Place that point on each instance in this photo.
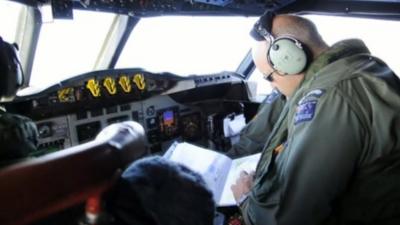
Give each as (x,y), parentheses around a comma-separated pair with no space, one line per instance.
(125,83)
(139,81)
(109,84)
(93,87)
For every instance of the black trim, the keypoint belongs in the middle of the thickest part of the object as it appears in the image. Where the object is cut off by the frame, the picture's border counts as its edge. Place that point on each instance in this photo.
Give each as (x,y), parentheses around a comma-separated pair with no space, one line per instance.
(384,9)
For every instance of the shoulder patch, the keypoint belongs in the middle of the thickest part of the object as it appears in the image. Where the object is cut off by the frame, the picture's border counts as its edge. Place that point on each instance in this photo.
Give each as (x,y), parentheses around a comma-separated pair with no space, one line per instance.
(316,93)
(305,111)
(312,95)
(272,97)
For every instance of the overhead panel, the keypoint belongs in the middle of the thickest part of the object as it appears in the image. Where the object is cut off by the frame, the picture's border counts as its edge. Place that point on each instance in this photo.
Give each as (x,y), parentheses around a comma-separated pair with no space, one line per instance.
(145,8)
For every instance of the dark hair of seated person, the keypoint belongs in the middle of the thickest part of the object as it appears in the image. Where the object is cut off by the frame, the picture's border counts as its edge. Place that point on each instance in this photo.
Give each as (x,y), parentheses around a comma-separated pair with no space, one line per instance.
(156,191)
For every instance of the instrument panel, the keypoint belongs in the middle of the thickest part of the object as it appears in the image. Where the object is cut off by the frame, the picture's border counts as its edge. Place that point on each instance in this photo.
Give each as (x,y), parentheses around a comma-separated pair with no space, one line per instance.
(76,110)
(164,121)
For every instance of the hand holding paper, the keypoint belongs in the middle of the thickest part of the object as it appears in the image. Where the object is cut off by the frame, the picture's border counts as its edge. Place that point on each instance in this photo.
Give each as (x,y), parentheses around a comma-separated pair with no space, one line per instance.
(219,171)
(243,184)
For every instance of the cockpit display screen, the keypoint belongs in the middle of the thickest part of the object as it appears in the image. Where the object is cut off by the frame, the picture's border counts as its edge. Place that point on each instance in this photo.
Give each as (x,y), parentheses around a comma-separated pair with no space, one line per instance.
(168,122)
(168,117)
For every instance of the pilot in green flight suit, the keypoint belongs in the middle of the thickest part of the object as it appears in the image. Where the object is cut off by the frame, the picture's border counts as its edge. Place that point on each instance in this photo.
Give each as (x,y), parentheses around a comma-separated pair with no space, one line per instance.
(333,156)
(256,132)
(18,134)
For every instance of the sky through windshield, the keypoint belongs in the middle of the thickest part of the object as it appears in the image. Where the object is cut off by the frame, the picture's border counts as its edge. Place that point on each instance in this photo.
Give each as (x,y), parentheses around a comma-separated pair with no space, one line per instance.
(188,45)
(9,13)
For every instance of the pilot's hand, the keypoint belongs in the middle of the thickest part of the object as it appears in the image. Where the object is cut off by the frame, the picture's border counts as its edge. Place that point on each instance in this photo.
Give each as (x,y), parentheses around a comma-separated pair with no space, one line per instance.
(242,186)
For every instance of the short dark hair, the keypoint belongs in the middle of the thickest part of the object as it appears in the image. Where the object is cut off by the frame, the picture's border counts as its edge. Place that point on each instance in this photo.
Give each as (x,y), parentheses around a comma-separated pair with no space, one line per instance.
(156,191)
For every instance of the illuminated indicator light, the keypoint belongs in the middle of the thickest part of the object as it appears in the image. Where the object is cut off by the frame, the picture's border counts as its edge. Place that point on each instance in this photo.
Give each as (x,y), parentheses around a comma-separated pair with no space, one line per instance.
(125,83)
(110,85)
(139,81)
(64,95)
(94,87)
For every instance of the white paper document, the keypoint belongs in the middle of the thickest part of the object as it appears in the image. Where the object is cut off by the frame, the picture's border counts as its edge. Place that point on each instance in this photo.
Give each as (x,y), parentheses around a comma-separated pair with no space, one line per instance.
(218,170)
(233,126)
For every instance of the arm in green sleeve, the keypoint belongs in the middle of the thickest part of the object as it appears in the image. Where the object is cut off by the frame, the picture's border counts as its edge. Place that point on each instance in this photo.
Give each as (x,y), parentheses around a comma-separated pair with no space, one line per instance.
(255,133)
(244,208)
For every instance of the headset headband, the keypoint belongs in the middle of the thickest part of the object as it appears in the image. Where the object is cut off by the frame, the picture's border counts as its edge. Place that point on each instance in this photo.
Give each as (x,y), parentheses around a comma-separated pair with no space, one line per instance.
(263,27)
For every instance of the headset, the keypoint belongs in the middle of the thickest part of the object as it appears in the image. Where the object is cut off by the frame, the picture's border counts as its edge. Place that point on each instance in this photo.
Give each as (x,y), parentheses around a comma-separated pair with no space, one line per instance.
(11,74)
(286,54)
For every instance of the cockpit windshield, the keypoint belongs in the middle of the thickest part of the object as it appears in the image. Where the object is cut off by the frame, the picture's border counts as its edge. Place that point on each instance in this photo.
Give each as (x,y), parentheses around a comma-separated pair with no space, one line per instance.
(380,36)
(9,14)
(183,45)
(188,45)
(67,48)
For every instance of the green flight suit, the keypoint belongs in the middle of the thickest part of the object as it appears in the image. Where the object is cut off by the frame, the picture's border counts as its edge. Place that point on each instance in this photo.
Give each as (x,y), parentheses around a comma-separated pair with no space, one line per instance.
(18,138)
(256,132)
(340,135)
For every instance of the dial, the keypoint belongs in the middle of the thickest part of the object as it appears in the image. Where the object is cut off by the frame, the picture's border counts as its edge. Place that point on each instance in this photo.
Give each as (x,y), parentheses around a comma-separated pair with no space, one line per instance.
(45,130)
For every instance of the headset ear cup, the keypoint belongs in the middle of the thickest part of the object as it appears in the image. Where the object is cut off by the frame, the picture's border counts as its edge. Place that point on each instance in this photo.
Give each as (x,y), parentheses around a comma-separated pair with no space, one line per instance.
(287,56)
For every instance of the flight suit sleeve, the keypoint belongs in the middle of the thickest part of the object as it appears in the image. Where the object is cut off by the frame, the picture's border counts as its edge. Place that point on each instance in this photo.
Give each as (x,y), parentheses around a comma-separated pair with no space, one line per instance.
(324,144)
(244,208)
(256,132)
(18,137)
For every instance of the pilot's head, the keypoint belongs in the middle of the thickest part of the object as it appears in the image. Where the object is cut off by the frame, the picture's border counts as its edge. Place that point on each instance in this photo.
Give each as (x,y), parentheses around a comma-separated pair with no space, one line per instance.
(11,77)
(284,47)
(156,191)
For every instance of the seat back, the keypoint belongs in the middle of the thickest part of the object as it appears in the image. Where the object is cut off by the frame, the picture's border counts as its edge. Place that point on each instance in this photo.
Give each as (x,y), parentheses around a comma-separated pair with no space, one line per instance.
(37,188)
